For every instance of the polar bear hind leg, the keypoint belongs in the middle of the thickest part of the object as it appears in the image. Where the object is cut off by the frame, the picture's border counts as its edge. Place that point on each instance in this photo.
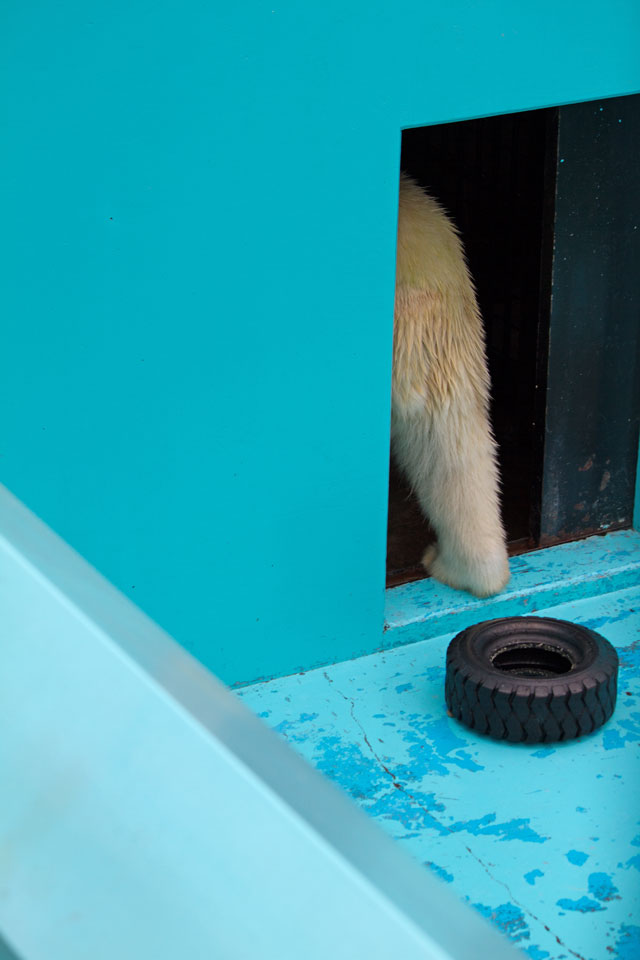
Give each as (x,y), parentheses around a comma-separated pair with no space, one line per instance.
(440,430)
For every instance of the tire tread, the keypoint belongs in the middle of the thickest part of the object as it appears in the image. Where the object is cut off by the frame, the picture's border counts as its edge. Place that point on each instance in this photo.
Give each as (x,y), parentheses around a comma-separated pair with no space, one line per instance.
(512,711)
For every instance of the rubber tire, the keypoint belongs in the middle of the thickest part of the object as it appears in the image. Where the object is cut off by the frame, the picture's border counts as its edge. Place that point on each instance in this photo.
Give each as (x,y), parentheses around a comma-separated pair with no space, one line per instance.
(529,706)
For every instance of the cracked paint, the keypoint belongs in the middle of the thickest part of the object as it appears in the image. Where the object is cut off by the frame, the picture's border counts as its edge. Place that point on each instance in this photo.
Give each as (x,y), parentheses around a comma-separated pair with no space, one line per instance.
(577,857)
(510,830)
(508,918)
(633,862)
(535,953)
(439,871)
(470,808)
(628,943)
(583,905)
(602,887)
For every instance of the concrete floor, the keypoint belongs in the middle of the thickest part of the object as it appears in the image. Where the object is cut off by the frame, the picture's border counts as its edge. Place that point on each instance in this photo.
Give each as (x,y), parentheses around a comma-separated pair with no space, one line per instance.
(543,840)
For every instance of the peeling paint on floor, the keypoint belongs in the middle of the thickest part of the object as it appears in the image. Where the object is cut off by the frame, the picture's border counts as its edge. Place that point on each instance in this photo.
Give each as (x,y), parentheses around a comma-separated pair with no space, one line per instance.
(542,840)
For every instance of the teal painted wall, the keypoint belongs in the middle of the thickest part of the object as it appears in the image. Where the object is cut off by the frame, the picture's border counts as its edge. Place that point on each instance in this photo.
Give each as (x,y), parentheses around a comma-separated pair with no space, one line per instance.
(199,214)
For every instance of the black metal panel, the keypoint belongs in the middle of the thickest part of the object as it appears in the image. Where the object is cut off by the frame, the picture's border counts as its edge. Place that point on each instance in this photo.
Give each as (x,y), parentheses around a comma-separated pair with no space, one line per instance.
(594,339)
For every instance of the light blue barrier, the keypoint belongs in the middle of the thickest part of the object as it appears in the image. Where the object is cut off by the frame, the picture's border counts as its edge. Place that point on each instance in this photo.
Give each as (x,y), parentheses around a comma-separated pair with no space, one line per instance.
(145,813)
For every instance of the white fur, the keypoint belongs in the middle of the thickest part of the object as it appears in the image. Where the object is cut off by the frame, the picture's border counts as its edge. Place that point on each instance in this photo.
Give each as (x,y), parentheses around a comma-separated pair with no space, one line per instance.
(440,427)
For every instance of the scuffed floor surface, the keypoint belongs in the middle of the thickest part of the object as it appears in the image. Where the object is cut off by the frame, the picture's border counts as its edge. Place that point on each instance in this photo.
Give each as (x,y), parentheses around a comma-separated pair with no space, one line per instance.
(542,840)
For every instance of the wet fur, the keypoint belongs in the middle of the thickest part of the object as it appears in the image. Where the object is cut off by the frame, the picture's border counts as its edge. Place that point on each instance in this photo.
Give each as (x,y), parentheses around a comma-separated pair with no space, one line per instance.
(440,429)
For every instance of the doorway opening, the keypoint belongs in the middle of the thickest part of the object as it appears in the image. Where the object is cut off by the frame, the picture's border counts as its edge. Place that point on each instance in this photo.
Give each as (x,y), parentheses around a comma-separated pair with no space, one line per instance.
(495,177)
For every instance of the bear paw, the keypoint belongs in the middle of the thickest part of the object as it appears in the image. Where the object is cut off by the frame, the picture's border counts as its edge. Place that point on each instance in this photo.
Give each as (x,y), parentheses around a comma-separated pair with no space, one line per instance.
(483,576)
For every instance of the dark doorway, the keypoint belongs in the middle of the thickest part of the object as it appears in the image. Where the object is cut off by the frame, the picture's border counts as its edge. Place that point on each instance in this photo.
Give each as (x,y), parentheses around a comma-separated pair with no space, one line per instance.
(548,206)
(494,176)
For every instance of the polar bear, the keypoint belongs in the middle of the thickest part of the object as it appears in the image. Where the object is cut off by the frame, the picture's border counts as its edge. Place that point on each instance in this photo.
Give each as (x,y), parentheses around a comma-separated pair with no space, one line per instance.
(440,431)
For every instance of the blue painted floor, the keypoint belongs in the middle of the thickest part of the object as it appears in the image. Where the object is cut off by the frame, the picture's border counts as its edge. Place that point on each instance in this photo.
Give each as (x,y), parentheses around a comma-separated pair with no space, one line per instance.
(542,840)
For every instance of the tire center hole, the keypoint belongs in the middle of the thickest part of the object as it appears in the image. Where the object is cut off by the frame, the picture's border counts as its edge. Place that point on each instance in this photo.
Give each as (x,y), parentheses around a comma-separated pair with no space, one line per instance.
(531,660)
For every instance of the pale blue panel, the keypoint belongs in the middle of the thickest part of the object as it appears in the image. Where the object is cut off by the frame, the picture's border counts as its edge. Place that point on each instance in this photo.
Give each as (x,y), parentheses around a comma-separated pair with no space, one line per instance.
(199,215)
(145,813)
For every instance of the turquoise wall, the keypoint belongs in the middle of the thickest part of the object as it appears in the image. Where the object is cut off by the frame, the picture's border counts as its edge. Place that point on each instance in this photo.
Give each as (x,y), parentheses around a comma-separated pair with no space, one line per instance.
(199,216)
